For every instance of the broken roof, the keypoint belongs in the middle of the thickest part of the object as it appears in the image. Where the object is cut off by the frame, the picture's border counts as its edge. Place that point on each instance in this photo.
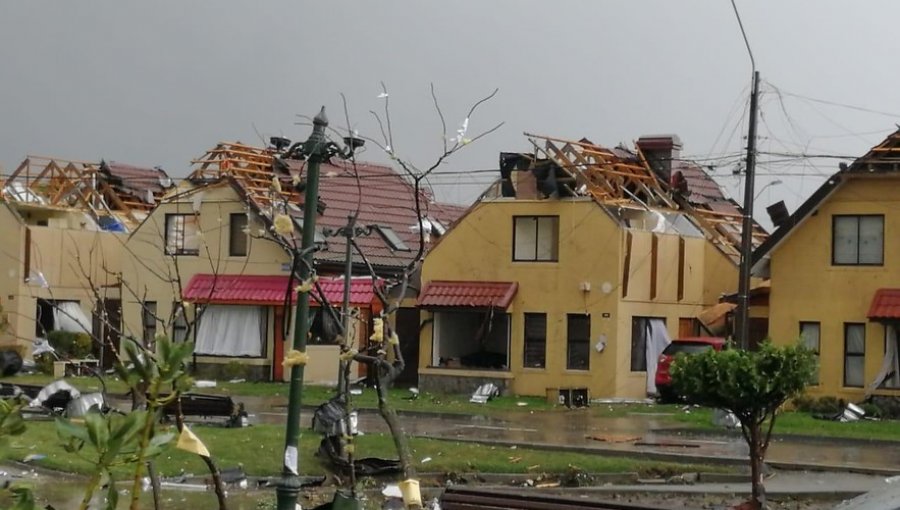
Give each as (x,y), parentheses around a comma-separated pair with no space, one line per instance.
(881,159)
(621,177)
(386,201)
(100,189)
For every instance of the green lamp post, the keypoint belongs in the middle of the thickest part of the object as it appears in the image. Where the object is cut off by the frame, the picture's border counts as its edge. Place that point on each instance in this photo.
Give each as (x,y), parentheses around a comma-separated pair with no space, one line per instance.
(315,150)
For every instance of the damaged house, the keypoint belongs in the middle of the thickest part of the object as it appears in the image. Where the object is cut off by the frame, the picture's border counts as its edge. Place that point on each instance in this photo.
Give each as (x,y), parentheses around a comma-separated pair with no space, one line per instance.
(575,269)
(210,246)
(835,276)
(64,224)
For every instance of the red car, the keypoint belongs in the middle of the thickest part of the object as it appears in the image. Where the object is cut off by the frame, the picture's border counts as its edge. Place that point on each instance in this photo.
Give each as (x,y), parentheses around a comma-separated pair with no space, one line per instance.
(688,346)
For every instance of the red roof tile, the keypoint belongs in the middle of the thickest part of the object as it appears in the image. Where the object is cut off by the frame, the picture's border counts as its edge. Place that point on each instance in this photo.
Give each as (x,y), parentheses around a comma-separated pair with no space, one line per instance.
(885,304)
(439,293)
(269,289)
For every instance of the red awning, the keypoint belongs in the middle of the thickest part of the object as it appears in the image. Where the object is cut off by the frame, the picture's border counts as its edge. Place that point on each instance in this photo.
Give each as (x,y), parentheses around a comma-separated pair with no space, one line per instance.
(269,289)
(467,294)
(885,304)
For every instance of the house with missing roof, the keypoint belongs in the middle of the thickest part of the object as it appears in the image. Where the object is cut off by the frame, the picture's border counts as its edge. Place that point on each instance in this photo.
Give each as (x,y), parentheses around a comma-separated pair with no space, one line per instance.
(63,225)
(835,276)
(568,277)
(210,246)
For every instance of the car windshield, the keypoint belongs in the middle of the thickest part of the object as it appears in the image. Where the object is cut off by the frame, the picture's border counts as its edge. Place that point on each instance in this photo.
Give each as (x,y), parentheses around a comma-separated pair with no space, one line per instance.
(686,347)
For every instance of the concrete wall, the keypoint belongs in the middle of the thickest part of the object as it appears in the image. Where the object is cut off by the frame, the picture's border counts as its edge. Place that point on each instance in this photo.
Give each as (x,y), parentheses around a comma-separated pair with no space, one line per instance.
(592,249)
(807,287)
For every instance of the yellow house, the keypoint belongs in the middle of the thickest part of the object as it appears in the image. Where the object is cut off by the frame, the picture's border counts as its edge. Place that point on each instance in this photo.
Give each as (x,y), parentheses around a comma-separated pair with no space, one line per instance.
(207,264)
(835,273)
(570,272)
(64,224)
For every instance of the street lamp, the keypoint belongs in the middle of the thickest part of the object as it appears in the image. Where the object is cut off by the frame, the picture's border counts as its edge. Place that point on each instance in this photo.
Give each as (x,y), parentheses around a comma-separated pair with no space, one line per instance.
(776,182)
(315,150)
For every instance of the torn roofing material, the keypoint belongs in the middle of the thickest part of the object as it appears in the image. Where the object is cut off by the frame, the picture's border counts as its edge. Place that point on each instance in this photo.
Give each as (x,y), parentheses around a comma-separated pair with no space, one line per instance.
(125,191)
(383,197)
(882,159)
(619,178)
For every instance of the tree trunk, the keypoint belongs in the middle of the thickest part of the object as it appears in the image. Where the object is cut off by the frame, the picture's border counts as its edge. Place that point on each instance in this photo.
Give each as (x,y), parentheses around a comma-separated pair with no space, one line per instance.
(758,491)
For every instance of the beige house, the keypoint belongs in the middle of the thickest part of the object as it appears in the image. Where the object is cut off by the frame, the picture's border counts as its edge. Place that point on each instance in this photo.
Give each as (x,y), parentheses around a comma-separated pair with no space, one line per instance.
(64,224)
(209,252)
(575,270)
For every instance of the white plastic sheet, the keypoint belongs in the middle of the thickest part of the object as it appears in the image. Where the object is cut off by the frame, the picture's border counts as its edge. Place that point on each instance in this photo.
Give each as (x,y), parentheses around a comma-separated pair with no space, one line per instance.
(657,340)
(227,330)
(68,316)
(889,374)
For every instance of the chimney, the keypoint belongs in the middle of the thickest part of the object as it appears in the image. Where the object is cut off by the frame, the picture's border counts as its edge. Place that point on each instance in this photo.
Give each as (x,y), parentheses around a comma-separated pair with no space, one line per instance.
(661,151)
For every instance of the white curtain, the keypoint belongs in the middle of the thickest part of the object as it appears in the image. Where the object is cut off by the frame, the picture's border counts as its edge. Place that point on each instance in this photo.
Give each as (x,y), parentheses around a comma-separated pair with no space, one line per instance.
(227,330)
(657,340)
(889,375)
(68,316)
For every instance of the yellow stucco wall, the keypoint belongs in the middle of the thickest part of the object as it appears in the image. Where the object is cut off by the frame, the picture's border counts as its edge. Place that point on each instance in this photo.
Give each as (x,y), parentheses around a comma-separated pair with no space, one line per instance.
(592,249)
(149,271)
(68,252)
(807,287)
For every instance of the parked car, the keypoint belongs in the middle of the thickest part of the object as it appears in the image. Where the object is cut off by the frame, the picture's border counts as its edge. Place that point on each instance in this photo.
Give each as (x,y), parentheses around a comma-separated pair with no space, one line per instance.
(688,346)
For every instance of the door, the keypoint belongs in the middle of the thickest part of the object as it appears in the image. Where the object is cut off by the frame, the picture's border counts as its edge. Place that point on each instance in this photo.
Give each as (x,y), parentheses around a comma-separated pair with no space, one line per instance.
(107,322)
(408,331)
(278,355)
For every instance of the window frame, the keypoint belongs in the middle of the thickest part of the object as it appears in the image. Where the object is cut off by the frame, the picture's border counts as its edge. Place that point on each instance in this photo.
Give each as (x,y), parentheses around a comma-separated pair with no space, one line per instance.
(818,349)
(834,220)
(570,344)
(537,231)
(180,250)
(240,232)
(536,344)
(853,355)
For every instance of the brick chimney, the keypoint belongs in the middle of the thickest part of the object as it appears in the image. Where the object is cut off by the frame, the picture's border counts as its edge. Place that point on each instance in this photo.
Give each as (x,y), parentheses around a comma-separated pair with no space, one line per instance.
(661,151)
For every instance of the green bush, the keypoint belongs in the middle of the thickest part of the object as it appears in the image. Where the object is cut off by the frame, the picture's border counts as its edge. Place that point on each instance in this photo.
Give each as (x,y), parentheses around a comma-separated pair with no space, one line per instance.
(44,363)
(71,345)
(234,370)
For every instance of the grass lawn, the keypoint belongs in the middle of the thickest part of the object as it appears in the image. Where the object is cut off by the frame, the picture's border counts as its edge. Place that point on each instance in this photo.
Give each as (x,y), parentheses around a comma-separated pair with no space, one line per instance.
(259,448)
(802,424)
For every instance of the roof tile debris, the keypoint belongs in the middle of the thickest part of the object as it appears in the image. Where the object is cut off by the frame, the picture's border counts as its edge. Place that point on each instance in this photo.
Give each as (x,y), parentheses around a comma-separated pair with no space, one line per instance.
(382,196)
(123,191)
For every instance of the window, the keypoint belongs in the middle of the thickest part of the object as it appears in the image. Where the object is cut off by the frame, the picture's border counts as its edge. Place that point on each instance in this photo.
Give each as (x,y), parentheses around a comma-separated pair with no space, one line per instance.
(179,323)
(535,340)
(854,355)
(858,240)
(391,238)
(148,321)
(238,239)
(578,340)
(810,335)
(477,340)
(182,234)
(536,238)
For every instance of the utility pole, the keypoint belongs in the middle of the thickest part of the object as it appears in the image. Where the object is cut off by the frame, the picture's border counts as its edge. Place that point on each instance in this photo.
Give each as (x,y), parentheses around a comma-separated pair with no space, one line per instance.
(742,324)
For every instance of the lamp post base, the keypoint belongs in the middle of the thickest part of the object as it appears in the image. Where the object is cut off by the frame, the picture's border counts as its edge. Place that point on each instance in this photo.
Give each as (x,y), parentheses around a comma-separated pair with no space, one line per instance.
(287,491)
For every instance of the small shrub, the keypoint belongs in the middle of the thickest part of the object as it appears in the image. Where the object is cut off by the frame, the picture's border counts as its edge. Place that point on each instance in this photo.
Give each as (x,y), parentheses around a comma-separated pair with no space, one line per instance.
(44,363)
(821,405)
(234,370)
(70,345)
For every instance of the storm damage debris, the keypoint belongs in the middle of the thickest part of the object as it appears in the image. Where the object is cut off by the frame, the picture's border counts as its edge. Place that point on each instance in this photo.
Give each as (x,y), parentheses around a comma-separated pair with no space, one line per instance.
(61,398)
(334,424)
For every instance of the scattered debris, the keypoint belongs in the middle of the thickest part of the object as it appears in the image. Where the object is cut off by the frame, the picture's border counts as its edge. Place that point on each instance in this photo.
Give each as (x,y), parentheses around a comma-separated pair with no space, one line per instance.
(484,393)
(205,384)
(391,491)
(614,438)
(237,381)
(426,460)
(356,391)
(521,404)
(723,418)
(33,457)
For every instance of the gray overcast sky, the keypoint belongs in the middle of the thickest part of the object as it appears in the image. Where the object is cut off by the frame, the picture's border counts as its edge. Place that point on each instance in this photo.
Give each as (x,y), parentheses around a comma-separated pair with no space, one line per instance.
(157,83)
